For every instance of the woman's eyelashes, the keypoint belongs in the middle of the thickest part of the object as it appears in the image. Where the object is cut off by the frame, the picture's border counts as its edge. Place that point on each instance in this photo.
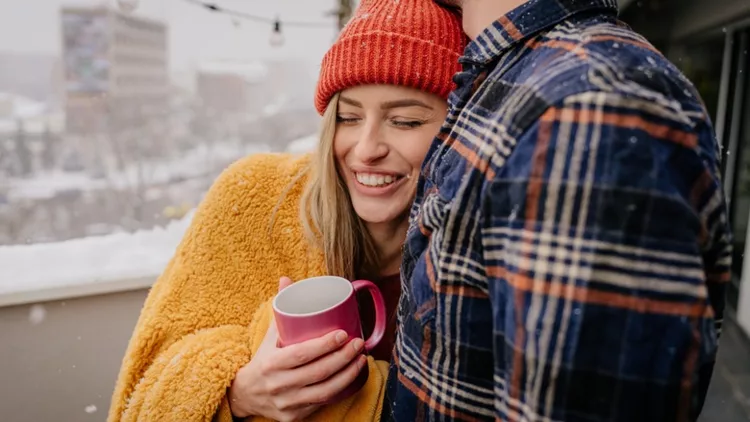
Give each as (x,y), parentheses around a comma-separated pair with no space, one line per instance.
(409,124)
(346,120)
(397,122)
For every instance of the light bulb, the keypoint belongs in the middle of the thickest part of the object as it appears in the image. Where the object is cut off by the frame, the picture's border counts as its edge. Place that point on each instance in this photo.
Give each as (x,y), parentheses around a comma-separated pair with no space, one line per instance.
(277,38)
(127,6)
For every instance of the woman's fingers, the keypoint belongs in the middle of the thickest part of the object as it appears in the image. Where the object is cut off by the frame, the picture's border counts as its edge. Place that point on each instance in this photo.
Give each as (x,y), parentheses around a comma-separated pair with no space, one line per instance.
(326,366)
(299,354)
(285,282)
(326,390)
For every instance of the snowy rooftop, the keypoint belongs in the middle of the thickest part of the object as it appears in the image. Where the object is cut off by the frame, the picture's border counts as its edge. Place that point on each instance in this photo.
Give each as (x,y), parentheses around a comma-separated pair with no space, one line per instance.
(17,106)
(36,116)
(114,262)
(303,145)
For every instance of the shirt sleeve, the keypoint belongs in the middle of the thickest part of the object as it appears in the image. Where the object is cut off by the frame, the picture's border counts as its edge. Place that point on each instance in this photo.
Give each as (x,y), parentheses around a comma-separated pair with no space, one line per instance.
(606,248)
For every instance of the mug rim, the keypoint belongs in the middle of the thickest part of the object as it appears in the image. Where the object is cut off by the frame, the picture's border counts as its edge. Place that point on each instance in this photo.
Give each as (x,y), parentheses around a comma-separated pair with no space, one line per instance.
(322,311)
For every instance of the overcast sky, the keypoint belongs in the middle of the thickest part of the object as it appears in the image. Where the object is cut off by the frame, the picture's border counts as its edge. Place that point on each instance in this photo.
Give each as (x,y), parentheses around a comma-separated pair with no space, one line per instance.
(195,34)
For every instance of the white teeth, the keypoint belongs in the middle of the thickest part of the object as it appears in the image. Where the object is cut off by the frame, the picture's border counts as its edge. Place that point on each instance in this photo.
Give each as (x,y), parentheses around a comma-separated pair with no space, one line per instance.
(375,179)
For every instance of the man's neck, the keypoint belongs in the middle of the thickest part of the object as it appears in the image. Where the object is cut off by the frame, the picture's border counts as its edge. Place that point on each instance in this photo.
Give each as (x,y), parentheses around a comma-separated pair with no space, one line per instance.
(388,239)
(479,14)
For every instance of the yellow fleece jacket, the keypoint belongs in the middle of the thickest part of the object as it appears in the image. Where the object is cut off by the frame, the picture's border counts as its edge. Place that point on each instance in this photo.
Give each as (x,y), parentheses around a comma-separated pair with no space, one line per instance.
(210,309)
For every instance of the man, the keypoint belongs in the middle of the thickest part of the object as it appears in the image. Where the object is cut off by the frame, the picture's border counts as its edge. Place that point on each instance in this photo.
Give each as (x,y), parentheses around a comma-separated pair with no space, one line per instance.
(568,248)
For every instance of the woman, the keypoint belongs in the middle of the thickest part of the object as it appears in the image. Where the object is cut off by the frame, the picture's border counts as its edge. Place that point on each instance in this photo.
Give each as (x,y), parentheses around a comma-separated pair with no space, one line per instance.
(204,347)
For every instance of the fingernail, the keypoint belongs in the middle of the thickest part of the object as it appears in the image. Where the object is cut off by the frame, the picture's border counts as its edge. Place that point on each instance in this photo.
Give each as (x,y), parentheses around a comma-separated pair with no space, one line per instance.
(341,337)
(358,343)
(361,362)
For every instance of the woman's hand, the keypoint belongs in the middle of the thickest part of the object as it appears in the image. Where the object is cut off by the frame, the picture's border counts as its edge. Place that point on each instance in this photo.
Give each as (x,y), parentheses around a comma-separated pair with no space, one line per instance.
(289,384)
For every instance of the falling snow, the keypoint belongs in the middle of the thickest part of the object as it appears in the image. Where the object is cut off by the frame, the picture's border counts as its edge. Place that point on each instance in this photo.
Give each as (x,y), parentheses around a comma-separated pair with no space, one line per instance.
(37,313)
(513,213)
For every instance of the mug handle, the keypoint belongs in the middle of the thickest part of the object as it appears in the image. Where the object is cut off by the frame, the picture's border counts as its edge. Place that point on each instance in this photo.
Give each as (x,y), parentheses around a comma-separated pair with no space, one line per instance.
(380,316)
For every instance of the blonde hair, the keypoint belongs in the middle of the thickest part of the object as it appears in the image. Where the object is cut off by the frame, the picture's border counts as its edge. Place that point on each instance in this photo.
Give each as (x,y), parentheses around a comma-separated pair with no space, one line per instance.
(328,217)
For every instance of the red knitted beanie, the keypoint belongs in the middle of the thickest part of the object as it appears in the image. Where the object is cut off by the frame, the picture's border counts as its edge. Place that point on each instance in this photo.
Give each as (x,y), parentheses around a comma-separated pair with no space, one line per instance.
(414,43)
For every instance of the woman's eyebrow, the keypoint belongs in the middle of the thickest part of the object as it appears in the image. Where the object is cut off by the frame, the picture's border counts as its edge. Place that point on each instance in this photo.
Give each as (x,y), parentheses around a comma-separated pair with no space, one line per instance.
(404,103)
(350,101)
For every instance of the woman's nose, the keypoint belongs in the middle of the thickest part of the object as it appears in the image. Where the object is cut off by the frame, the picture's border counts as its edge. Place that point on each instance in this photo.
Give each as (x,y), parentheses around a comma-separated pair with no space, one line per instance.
(370,146)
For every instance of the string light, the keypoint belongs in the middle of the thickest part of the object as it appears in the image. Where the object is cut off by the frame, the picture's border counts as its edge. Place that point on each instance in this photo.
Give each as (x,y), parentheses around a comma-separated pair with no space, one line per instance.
(213,7)
(277,38)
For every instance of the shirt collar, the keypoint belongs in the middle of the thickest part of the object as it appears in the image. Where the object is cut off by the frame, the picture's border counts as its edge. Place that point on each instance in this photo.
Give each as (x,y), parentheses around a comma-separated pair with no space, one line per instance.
(526,20)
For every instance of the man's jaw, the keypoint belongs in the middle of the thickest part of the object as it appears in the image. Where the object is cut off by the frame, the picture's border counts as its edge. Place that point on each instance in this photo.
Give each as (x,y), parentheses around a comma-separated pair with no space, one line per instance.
(477,15)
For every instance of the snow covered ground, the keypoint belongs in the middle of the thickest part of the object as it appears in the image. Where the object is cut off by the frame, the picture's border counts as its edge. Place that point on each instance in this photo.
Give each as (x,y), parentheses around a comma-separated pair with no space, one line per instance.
(78,263)
(192,163)
(303,145)
(113,257)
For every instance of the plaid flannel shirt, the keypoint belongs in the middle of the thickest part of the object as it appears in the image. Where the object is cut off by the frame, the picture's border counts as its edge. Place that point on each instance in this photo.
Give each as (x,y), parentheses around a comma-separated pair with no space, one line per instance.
(568,249)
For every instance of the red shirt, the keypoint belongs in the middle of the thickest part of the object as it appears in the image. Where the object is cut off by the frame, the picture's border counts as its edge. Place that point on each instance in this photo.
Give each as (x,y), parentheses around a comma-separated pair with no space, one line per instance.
(390,288)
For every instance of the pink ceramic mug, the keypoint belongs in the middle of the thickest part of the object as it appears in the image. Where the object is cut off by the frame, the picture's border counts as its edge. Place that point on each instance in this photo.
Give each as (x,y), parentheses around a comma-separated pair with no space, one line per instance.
(316,306)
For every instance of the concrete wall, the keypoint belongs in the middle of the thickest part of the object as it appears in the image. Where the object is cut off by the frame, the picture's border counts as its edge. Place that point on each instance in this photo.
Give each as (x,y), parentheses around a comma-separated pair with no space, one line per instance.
(59,359)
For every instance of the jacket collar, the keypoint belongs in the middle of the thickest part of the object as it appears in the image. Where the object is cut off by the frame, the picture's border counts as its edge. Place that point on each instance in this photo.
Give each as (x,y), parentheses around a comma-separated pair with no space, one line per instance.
(526,20)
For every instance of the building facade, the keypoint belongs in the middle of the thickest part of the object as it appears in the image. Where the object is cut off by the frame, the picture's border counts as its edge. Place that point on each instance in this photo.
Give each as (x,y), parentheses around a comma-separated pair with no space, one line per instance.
(115,73)
(231,87)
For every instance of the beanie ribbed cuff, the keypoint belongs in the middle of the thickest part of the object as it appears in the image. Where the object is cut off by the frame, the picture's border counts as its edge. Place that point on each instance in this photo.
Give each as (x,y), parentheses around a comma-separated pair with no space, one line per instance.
(385,58)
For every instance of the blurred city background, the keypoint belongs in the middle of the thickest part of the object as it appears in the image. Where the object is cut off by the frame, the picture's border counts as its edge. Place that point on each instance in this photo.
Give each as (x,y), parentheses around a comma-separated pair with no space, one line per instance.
(117,115)
(113,121)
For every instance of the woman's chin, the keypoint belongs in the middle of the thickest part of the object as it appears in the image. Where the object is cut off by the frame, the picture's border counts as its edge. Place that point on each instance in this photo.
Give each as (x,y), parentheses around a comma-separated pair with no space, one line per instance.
(376,214)
(375,218)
